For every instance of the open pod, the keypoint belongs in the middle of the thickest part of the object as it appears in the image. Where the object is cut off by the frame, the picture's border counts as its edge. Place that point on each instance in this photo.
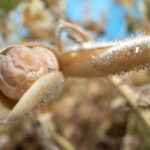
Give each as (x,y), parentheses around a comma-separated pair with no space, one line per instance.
(45,89)
(98,59)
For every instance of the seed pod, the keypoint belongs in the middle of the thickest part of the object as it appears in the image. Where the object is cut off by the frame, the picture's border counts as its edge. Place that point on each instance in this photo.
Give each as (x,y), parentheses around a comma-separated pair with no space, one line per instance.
(45,89)
(103,60)
(28,73)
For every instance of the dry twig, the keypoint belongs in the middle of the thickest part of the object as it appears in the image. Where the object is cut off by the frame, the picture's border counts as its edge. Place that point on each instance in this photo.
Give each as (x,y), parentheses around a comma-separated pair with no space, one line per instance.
(132,99)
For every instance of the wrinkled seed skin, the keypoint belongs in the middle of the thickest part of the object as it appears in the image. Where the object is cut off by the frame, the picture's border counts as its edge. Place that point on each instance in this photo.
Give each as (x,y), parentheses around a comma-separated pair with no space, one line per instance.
(22,66)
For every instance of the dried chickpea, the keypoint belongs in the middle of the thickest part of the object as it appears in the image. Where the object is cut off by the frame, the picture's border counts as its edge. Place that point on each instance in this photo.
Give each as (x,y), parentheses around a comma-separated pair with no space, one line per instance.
(22,66)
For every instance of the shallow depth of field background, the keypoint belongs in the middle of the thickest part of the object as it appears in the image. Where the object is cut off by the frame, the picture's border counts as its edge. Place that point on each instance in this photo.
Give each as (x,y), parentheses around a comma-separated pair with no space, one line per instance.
(89,114)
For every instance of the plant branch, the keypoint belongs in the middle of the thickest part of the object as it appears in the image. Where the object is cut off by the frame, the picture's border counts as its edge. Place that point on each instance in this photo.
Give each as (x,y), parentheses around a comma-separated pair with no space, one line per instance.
(132,99)
(66,25)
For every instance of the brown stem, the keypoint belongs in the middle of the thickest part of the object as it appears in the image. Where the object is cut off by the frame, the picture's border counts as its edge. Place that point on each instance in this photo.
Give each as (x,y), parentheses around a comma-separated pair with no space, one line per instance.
(65,25)
(132,99)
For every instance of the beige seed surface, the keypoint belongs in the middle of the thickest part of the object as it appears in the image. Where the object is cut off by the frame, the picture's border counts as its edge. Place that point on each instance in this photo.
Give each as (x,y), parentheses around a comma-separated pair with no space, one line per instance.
(22,66)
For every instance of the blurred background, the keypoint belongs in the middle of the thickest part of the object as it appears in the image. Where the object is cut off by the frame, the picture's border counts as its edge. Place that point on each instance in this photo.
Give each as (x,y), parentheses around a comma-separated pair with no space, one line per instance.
(89,114)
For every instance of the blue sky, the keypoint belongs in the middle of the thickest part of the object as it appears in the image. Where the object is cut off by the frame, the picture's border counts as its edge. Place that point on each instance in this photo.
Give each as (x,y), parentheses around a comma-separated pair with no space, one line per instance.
(115,13)
(116,25)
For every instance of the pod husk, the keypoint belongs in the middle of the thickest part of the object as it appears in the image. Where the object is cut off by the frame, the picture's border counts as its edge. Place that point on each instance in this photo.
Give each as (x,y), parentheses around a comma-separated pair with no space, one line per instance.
(45,89)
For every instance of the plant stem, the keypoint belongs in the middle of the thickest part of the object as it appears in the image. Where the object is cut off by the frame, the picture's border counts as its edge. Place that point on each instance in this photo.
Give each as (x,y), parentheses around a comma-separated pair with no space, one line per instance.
(132,99)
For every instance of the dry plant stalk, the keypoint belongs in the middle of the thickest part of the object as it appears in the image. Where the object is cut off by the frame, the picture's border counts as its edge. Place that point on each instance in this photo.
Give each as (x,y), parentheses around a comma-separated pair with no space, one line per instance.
(66,25)
(132,99)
